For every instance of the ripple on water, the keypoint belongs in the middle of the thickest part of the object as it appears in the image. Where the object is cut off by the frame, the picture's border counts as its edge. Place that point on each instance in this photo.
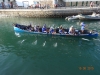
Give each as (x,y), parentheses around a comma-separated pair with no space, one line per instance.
(4,50)
(34,43)
(17,34)
(96,39)
(21,41)
(55,44)
(97,51)
(85,39)
(44,44)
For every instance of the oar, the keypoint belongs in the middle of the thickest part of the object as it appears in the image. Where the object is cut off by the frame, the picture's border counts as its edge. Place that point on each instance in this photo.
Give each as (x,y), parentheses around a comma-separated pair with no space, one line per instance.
(86,26)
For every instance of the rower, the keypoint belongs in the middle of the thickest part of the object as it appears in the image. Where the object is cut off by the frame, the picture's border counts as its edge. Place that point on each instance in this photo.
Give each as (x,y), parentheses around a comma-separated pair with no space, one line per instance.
(44,29)
(71,30)
(61,29)
(35,28)
(29,27)
(16,25)
(51,30)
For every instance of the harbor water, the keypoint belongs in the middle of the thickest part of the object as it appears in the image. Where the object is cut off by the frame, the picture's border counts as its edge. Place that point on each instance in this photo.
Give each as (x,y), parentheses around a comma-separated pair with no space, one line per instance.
(28,54)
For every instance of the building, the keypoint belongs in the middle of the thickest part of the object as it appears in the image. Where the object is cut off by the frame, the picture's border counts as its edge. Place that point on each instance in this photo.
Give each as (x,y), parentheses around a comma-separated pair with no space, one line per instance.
(81,3)
(45,3)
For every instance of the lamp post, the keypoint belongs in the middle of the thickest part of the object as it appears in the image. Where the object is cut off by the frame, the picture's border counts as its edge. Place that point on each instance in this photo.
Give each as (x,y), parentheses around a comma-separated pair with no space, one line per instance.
(46,4)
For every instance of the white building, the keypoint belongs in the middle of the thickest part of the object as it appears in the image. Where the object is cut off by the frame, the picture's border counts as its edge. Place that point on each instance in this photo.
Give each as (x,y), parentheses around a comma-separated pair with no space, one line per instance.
(51,3)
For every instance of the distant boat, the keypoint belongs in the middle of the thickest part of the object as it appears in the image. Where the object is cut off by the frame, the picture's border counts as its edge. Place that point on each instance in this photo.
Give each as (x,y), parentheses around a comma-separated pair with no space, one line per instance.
(94,16)
(73,17)
(77,34)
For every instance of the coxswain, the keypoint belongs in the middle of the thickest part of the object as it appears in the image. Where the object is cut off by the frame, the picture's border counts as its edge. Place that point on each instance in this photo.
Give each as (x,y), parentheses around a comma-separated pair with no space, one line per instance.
(82,27)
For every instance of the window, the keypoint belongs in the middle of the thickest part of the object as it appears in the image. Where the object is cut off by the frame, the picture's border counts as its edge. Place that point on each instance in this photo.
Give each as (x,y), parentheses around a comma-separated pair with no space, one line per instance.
(86,3)
(96,2)
(71,4)
(76,3)
(82,3)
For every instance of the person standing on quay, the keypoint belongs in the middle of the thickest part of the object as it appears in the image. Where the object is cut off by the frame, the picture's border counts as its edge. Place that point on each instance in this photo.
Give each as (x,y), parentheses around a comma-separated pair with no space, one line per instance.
(91,4)
(9,5)
(3,5)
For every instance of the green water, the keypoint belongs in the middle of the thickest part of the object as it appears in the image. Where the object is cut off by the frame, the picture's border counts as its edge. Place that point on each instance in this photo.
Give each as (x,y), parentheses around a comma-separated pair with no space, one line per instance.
(45,55)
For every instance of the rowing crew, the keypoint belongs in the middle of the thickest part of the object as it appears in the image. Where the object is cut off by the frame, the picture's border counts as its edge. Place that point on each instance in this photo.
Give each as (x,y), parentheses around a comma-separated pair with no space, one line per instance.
(51,30)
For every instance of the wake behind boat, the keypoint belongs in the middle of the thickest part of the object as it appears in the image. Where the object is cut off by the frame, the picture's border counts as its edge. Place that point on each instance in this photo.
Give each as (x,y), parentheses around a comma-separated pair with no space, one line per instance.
(55,32)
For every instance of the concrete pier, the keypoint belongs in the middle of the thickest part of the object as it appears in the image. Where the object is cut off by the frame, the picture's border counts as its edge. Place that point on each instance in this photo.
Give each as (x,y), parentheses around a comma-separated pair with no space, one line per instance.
(61,12)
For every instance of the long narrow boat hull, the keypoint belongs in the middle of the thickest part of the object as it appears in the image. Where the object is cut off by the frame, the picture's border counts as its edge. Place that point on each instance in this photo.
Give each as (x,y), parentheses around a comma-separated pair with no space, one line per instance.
(93,35)
(89,17)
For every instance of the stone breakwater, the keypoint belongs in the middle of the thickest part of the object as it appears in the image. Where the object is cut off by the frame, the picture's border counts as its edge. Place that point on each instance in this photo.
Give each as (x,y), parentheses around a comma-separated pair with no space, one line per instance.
(47,12)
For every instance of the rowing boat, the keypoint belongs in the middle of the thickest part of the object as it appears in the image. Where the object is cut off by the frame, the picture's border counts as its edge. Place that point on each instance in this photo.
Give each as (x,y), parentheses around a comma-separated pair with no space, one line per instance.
(92,34)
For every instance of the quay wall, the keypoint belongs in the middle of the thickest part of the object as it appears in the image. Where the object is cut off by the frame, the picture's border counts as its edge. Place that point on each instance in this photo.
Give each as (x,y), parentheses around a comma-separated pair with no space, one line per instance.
(47,12)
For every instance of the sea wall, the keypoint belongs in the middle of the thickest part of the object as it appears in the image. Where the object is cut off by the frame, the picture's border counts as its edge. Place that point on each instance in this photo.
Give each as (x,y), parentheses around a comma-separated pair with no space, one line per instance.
(63,12)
